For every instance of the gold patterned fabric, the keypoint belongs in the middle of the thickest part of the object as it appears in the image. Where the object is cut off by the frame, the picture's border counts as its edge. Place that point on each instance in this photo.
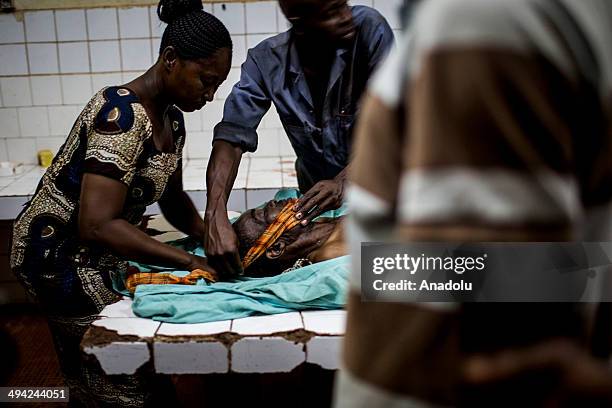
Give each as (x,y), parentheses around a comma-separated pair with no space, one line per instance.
(71,279)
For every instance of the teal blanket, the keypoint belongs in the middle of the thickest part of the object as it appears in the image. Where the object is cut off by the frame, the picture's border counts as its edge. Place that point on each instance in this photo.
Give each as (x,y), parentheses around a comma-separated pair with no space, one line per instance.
(318,286)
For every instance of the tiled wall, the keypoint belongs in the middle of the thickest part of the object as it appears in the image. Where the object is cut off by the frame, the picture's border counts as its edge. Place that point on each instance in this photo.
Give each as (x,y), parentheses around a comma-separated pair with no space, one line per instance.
(51,63)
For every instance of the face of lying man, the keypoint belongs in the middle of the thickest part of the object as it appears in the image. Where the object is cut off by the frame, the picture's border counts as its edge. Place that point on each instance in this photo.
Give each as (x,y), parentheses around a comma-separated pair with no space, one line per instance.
(288,248)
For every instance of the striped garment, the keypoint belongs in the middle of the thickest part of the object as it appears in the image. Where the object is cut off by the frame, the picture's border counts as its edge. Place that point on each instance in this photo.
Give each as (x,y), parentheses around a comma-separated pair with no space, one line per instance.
(283,222)
(161,278)
(489,122)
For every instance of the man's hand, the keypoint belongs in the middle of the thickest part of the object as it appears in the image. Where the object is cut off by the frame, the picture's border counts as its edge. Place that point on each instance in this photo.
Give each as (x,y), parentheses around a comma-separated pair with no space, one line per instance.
(221,245)
(579,377)
(323,196)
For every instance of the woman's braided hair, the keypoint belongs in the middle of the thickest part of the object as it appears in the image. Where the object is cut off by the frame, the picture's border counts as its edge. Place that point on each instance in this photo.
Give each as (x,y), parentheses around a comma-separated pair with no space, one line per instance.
(192,32)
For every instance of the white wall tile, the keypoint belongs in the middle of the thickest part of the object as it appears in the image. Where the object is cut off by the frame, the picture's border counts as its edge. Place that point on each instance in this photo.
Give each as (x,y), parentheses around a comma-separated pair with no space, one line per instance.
(11,30)
(263,325)
(157,26)
(192,357)
(226,87)
(361,3)
(208,7)
(199,145)
(261,17)
(46,90)
(73,57)
(13,60)
(239,50)
(324,351)
(286,149)
(390,9)
(33,121)
(62,118)
(76,89)
(50,143)
(267,355)
(16,91)
(99,81)
(268,145)
(254,39)
(130,76)
(9,123)
(3,151)
(232,15)
(102,24)
(136,54)
(43,58)
(212,114)
(283,23)
(40,26)
(21,150)
(104,56)
(155,44)
(134,22)
(193,121)
(71,25)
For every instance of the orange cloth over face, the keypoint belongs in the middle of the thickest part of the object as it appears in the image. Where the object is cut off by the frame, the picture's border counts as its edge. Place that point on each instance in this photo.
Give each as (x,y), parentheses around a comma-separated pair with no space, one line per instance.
(283,222)
(156,278)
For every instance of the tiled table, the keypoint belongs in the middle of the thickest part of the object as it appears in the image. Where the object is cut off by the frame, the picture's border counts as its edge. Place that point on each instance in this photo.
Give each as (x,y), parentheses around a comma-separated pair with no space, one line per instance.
(122,342)
(257,180)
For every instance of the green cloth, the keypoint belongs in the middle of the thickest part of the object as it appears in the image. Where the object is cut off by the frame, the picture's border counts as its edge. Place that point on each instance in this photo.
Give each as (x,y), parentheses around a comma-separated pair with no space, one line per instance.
(318,286)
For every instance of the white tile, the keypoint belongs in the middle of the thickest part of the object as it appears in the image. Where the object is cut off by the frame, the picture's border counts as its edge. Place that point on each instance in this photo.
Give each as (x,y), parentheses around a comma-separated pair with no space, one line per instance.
(198,329)
(130,76)
(40,26)
(71,25)
(102,24)
(136,54)
(3,157)
(264,325)
(9,123)
(100,81)
(11,30)
(120,357)
(390,9)
(21,150)
(190,357)
(265,164)
(155,44)
(361,3)
(286,149)
(268,355)
(193,121)
(157,26)
(104,56)
(324,351)
(16,91)
(49,143)
(330,322)
(129,326)
(33,121)
(62,118)
(283,23)
(239,50)
(199,145)
(226,87)
(208,7)
(43,58)
(254,39)
(272,179)
(13,60)
(73,57)
(212,114)
(261,17)
(232,15)
(122,308)
(260,196)
(268,144)
(76,89)
(46,90)
(134,22)
(271,120)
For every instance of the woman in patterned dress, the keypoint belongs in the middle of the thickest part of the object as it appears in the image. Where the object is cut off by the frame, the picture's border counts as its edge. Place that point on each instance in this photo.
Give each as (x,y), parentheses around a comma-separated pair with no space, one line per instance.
(122,154)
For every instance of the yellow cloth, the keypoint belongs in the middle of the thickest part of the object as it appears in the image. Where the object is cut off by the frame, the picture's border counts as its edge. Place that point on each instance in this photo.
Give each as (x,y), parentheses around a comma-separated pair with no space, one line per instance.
(156,278)
(283,222)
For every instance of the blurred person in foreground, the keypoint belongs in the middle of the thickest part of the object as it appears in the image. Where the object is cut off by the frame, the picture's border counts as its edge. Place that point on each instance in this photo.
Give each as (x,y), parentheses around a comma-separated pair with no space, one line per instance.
(491,122)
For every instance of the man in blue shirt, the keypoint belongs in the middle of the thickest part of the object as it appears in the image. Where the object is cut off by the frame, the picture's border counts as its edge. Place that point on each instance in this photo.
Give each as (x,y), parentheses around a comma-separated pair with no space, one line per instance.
(314,74)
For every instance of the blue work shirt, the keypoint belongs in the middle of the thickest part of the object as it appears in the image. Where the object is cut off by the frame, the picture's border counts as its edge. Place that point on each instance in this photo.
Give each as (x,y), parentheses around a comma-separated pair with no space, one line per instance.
(272,74)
